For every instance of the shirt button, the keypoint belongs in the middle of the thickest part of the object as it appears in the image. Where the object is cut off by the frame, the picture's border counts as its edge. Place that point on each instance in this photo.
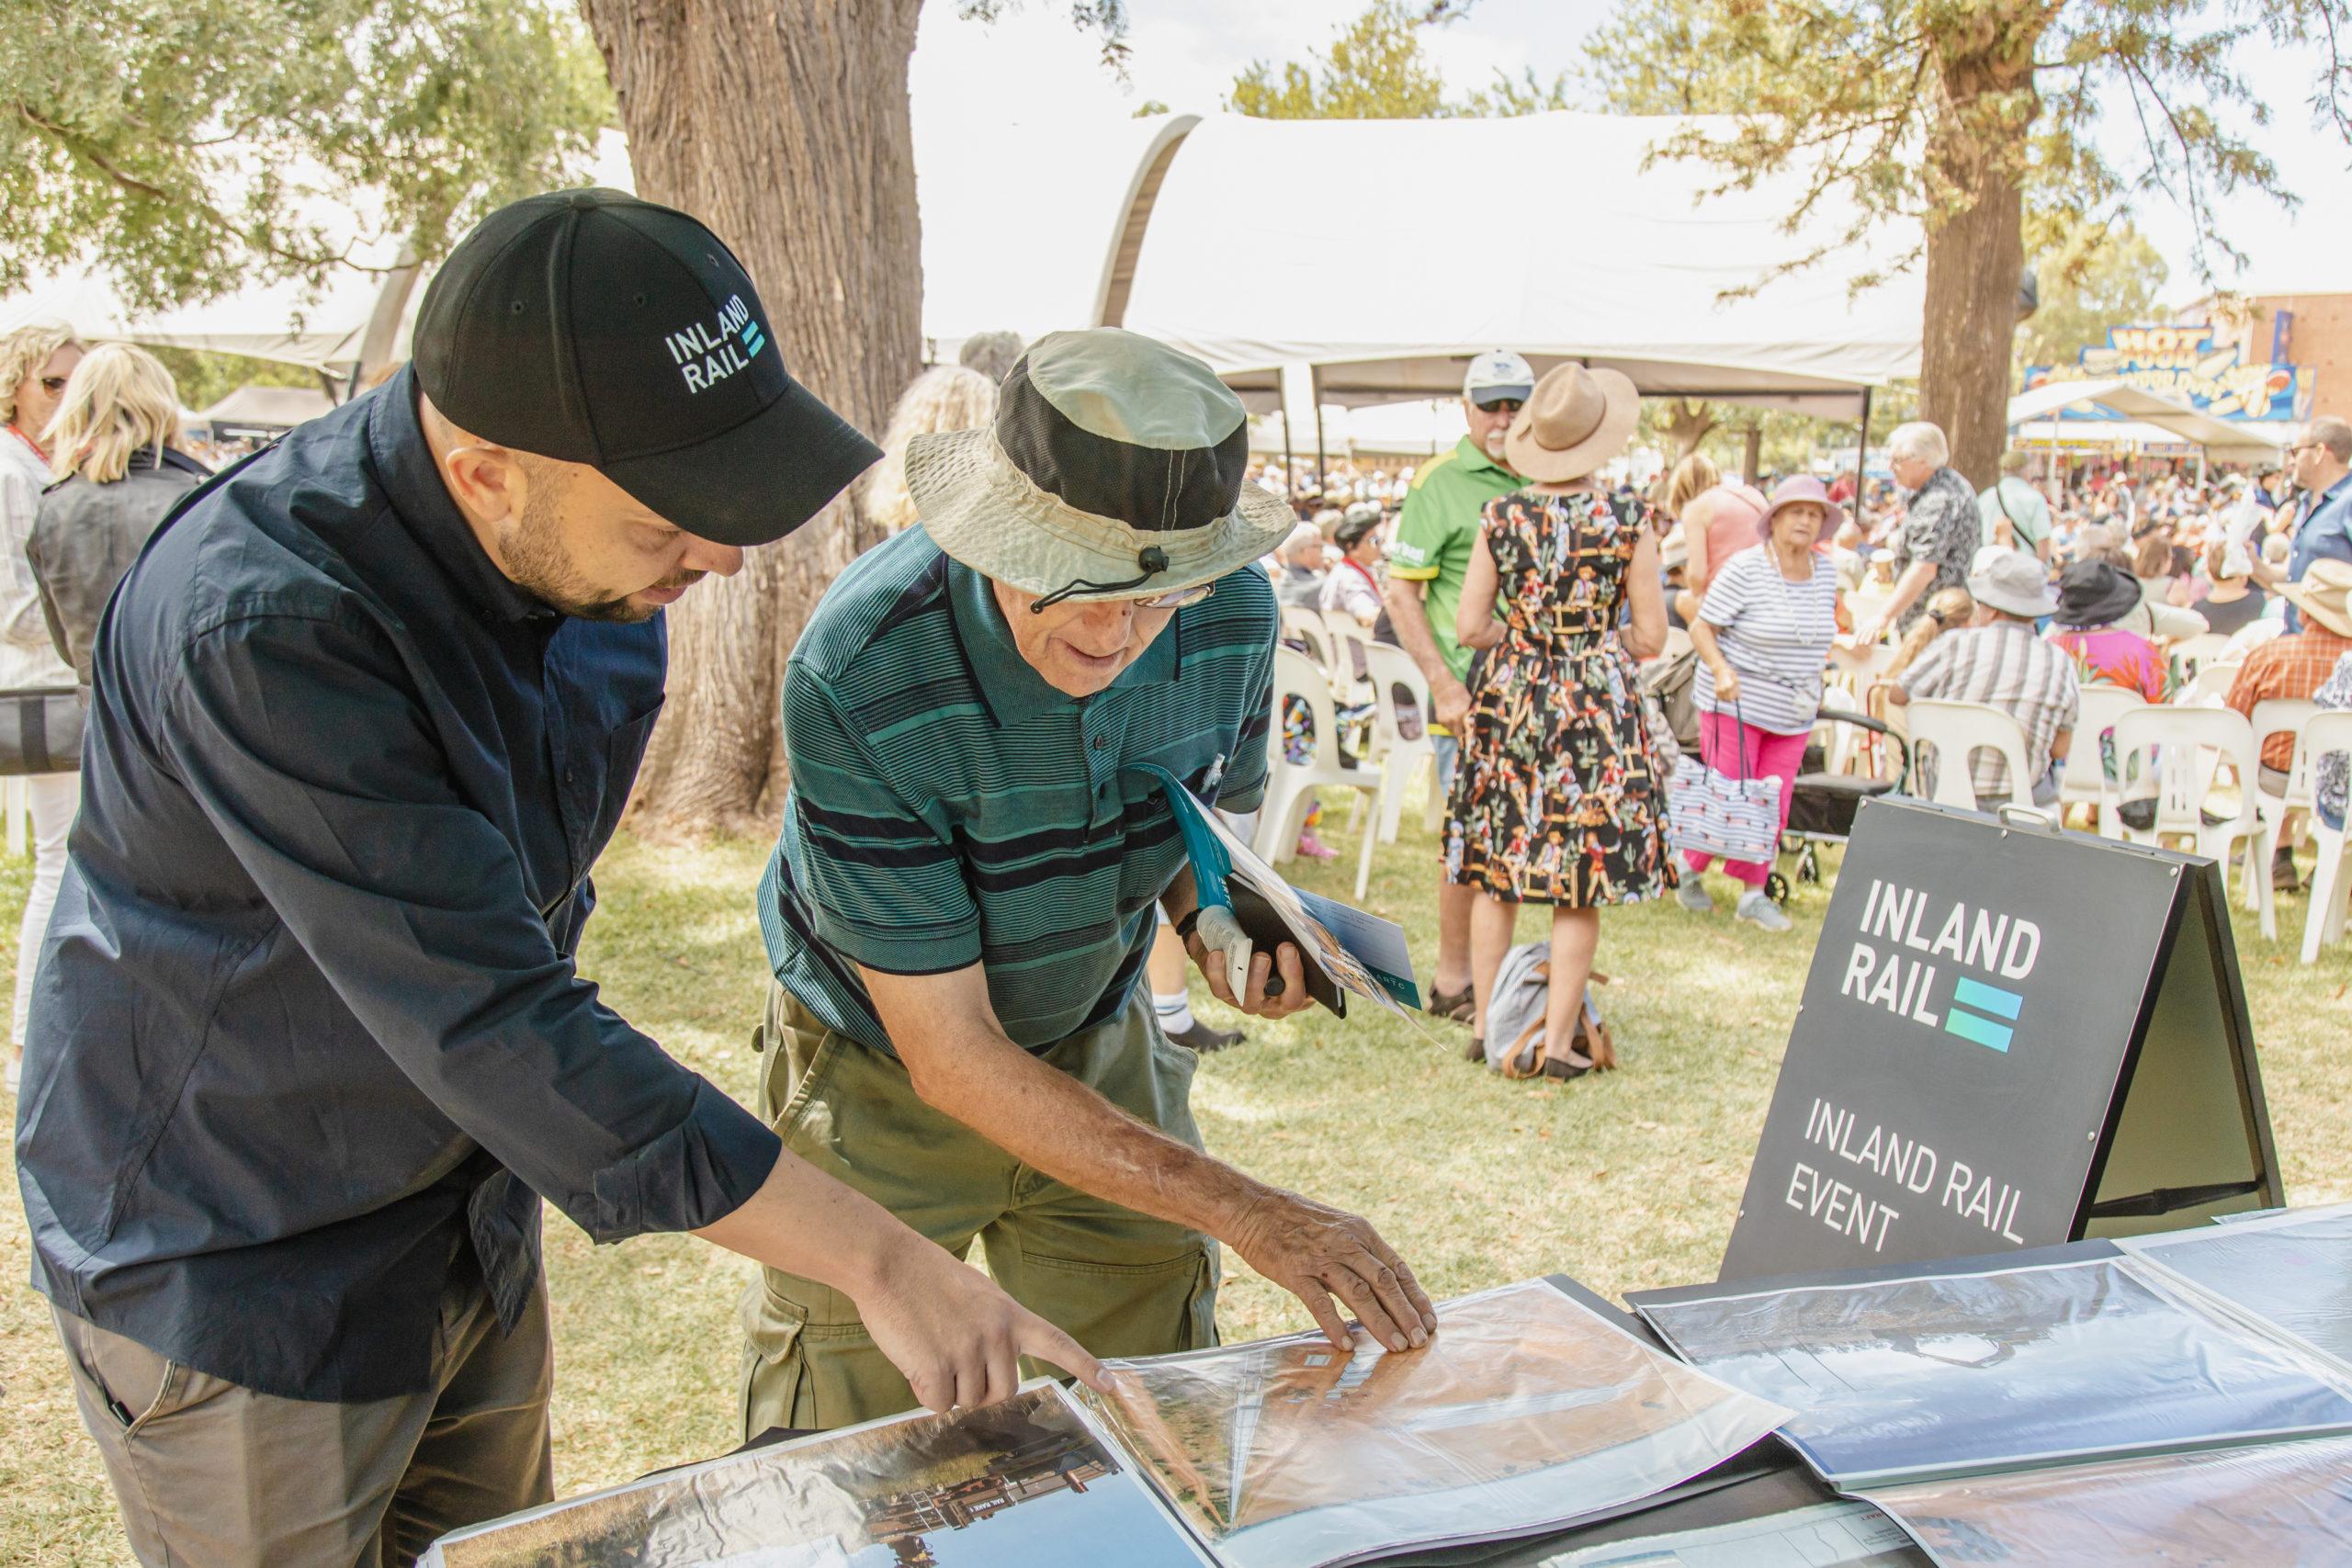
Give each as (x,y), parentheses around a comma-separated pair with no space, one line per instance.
(1101,742)
(567,775)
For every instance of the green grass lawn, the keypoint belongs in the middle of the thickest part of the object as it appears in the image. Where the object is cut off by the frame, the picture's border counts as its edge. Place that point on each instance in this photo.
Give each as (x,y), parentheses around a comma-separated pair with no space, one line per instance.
(1623,1180)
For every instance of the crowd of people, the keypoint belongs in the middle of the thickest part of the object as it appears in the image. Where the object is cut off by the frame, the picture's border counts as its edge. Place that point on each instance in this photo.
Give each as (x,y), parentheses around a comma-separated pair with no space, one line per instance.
(1528,591)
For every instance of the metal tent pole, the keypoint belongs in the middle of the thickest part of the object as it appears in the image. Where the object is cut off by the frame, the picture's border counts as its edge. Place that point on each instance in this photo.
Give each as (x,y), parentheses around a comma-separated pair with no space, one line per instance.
(1862,452)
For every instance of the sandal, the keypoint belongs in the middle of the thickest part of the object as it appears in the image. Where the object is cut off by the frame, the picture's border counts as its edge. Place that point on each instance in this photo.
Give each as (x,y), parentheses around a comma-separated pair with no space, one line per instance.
(1455,1007)
(1476,1050)
(1575,1066)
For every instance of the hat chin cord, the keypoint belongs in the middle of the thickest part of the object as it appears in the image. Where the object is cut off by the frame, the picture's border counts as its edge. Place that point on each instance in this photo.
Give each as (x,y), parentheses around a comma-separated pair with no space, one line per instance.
(1151,558)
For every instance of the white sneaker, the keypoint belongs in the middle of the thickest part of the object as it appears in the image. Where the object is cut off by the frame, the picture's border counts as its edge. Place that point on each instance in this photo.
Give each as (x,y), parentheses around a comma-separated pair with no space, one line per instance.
(1693,895)
(1754,906)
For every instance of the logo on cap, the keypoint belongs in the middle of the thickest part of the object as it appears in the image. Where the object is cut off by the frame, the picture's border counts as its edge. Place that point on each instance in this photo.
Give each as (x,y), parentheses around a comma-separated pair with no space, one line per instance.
(706,357)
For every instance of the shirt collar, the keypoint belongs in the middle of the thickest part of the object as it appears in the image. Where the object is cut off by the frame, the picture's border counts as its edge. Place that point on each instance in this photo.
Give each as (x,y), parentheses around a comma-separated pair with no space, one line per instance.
(1007,685)
(404,466)
(1475,456)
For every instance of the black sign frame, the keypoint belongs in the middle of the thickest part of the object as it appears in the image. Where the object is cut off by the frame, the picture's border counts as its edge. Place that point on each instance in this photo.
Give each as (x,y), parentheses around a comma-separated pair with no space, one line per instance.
(2113,1129)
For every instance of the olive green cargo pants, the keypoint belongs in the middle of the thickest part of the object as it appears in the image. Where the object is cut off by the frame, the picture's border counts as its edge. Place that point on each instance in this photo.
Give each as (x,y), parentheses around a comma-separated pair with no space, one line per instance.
(1119,1282)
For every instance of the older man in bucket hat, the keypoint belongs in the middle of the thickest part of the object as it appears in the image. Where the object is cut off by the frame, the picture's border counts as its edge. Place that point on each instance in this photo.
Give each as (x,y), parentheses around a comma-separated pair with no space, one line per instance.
(960,904)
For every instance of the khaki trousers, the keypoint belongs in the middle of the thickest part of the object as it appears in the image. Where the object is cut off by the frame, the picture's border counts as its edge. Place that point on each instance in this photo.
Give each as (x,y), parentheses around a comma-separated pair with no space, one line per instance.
(210,1474)
(1119,1282)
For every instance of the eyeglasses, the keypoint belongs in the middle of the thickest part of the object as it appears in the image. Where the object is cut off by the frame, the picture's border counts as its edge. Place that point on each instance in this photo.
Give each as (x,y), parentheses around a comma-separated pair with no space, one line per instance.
(1178,600)
(1501,405)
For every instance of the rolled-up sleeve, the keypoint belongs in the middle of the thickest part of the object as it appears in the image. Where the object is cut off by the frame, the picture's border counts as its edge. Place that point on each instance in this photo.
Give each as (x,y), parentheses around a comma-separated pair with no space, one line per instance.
(306,747)
(882,884)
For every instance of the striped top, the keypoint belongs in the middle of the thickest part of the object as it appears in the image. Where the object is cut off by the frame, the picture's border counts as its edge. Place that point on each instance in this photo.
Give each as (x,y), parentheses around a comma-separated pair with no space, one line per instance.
(949,808)
(1775,633)
(2002,665)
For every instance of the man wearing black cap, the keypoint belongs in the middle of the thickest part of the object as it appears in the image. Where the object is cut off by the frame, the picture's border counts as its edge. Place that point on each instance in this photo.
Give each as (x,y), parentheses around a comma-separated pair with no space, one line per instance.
(307,1042)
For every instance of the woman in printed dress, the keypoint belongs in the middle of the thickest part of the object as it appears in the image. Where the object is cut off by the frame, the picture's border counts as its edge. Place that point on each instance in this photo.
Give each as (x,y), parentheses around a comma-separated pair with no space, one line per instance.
(1560,796)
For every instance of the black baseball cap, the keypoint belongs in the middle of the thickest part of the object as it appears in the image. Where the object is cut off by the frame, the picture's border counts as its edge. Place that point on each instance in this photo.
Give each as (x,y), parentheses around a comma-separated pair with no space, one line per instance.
(592,327)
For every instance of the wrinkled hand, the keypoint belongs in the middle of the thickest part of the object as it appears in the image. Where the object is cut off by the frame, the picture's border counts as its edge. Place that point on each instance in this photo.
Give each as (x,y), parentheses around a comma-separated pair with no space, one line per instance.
(1255,1002)
(957,1336)
(1869,630)
(1317,1252)
(1726,684)
(1453,704)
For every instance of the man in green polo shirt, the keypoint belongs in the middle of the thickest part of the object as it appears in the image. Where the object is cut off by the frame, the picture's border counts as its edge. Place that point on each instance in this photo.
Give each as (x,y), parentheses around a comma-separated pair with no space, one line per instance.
(960,904)
(1427,567)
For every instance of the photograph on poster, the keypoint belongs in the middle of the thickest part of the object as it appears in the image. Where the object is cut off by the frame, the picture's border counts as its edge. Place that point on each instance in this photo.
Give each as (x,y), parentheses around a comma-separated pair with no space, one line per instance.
(1827,1535)
(2292,1269)
(1024,1484)
(1948,1374)
(2277,1505)
(1527,1410)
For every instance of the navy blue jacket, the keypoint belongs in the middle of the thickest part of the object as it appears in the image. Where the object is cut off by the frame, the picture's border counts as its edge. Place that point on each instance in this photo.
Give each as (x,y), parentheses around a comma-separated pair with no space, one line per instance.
(307,1042)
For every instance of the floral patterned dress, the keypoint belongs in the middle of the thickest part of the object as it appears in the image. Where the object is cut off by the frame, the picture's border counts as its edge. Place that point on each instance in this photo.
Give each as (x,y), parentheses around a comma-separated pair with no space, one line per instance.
(1560,796)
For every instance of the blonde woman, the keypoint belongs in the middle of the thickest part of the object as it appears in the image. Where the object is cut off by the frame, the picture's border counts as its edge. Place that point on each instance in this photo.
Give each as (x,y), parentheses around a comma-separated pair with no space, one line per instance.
(114,453)
(946,397)
(117,472)
(36,365)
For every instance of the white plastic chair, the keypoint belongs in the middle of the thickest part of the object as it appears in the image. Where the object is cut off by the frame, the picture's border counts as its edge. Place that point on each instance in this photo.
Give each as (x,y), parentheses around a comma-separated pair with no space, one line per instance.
(1343,632)
(2326,731)
(1290,786)
(2191,744)
(2195,653)
(2085,781)
(2208,688)
(2274,715)
(1305,626)
(1397,758)
(1956,730)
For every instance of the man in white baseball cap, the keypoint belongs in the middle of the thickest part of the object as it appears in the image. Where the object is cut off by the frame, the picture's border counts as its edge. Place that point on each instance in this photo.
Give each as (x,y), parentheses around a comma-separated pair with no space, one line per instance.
(1427,567)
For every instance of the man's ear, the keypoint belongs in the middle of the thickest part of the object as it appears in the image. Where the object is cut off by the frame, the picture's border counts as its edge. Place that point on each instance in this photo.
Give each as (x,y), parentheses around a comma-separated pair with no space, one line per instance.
(487,482)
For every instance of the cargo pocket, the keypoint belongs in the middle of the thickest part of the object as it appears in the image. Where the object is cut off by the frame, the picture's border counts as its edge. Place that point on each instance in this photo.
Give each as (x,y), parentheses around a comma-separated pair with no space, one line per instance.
(775,1373)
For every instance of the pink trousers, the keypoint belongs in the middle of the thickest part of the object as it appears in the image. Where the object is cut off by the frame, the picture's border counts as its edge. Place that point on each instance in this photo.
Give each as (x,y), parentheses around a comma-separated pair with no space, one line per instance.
(1742,750)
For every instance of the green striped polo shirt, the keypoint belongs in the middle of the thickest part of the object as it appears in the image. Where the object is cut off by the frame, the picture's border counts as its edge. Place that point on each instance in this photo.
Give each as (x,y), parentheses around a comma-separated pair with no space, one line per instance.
(949,808)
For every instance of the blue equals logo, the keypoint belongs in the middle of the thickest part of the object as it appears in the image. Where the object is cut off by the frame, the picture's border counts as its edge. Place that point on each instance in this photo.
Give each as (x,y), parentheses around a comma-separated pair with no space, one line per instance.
(753,340)
(1968,993)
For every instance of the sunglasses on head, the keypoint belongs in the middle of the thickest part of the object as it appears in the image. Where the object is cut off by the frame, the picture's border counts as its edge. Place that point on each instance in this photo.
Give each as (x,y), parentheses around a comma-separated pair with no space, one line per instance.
(1500,405)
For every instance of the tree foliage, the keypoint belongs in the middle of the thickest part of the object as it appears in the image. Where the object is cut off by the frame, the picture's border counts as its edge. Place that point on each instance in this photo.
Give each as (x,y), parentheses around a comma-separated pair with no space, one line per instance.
(1377,69)
(193,146)
(1905,108)
(2089,281)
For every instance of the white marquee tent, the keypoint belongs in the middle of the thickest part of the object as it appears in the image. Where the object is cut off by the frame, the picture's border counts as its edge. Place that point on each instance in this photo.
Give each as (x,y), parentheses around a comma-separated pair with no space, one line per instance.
(1402,247)
(2224,440)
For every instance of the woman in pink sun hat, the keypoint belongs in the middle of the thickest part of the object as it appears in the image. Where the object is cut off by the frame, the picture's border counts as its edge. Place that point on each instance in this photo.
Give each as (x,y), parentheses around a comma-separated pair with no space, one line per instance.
(1763,634)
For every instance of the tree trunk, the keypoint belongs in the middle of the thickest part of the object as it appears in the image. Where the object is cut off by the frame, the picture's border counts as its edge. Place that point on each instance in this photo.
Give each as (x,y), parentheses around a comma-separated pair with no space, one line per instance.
(1974,259)
(1751,452)
(1687,424)
(1976,159)
(783,125)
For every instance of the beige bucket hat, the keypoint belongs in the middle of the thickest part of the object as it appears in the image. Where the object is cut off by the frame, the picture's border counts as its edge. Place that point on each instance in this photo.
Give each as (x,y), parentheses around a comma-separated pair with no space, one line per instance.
(1576,420)
(2321,594)
(1115,470)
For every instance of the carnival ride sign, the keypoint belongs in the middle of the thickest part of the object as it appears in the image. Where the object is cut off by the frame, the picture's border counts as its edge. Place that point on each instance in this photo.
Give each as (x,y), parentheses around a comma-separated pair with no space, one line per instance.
(2186,364)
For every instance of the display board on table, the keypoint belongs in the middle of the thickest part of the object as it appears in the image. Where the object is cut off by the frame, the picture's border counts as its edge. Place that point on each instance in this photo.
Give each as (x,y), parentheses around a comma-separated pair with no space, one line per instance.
(2011,1036)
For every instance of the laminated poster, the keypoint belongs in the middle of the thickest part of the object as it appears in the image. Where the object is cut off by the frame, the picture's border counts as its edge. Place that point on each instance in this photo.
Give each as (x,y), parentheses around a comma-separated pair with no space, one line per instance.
(1901,1380)
(2292,1269)
(1526,1411)
(2280,1506)
(1023,1483)
(1828,1535)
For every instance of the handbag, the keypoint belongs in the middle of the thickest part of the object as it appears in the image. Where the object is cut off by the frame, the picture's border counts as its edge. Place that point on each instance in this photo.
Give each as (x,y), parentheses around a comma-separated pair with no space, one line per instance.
(1708,812)
(40,730)
(1672,683)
